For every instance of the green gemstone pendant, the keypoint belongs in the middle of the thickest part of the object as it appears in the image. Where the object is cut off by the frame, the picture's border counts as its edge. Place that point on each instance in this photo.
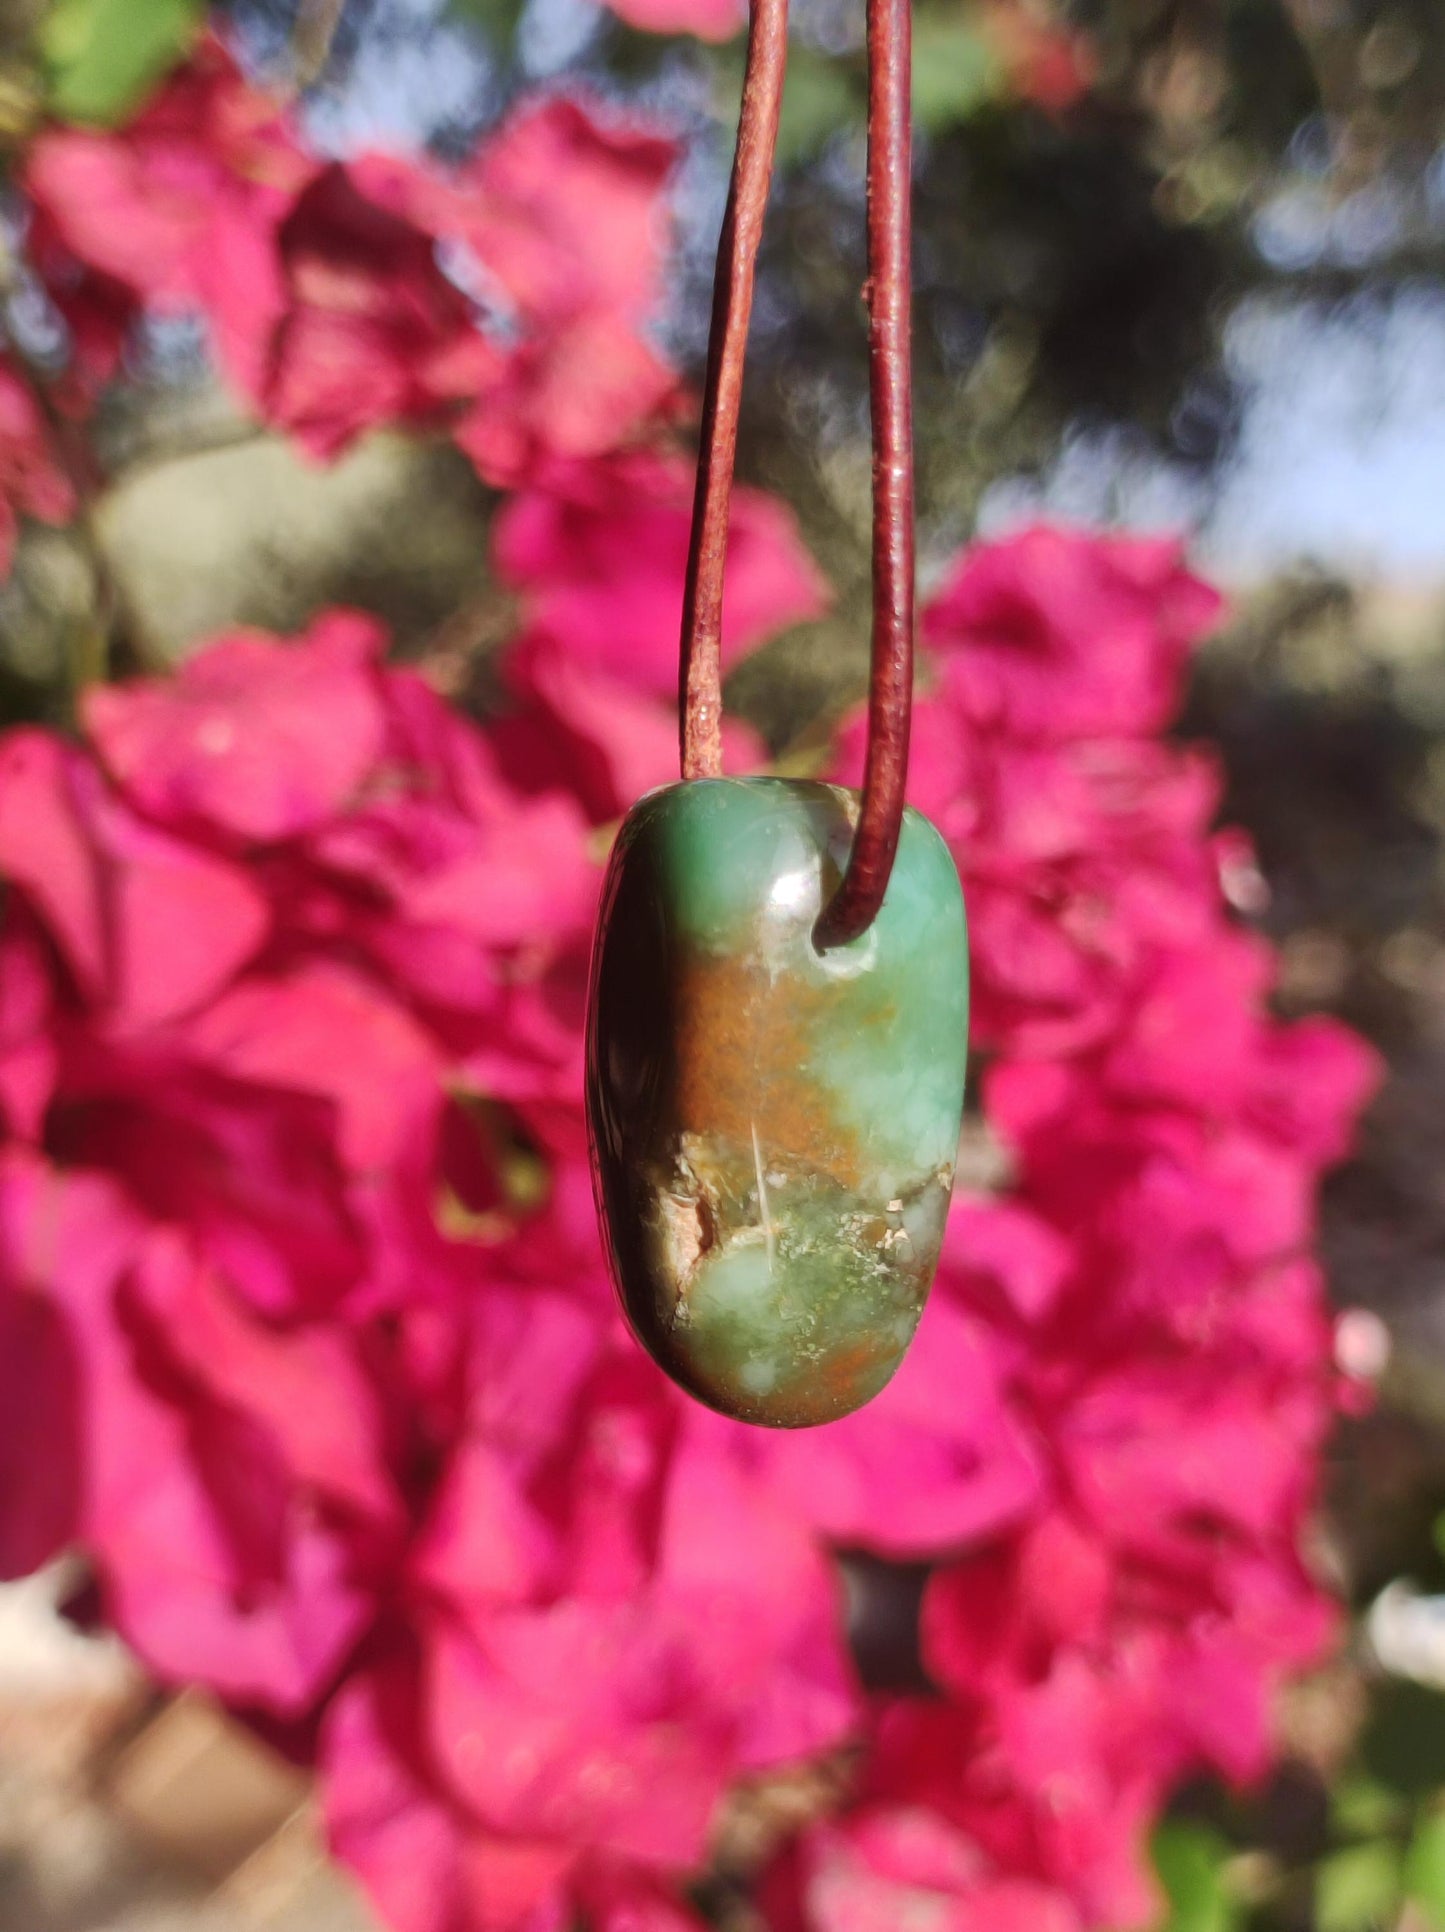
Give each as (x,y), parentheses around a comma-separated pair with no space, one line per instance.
(773,1128)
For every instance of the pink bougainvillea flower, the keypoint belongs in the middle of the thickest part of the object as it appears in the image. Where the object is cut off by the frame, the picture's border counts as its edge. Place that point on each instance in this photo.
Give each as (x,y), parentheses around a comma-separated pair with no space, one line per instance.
(324,1029)
(143,207)
(287,1243)
(564,217)
(1080,857)
(598,557)
(182,1497)
(32,482)
(42,1389)
(29,1050)
(562,208)
(708,19)
(250,739)
(428,1867)
(1069,635)
(539,408)
(374,332)
(630,1770)
(178,211)
(637,1542)
(296,1222)
(506,303)
(386,822)
(937,1461)
(246,1113)
(594,735)
(584,1541)
(149,924)
(896,1864)
(533,345)
(1078,1707)
(1130,1623)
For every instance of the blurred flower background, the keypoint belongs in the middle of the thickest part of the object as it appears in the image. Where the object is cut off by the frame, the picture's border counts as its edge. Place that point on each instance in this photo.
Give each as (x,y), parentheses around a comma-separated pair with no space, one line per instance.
(360,1570)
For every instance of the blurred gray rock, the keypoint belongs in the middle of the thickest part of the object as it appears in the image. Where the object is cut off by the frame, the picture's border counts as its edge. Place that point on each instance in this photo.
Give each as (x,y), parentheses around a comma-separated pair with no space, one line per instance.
(252,533)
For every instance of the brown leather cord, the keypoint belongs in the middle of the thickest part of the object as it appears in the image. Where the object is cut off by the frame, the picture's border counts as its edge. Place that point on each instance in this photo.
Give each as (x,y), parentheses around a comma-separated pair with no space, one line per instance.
(855,905)
(700,693)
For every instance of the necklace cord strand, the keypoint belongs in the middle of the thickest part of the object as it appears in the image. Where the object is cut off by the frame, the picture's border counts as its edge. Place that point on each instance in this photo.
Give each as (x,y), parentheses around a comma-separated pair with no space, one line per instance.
(855,904)
(700,694)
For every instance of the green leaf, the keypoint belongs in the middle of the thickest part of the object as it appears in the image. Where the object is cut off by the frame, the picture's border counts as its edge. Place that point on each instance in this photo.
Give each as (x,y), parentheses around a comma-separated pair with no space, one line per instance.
(496,20)
(1190,1861)
(102,57)
(1363,1807)
(820,98)
(1425,1867)
(955,71)
(497,17)
(1357,1890)
(1437,1535)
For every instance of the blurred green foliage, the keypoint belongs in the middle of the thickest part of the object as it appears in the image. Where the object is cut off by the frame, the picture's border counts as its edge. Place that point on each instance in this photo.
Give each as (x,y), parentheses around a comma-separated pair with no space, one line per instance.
(1191,1861)
(1357,1887)
(101,57)
(956,72)
(1358,1850)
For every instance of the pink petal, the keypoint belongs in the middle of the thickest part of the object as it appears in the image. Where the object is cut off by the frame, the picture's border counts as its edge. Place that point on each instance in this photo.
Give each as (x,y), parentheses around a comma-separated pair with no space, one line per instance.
(150,926)
(257,738)
(936,1460)
(425,1867)
(41,1395)
(324,1030)
(578,1723)
(599,556)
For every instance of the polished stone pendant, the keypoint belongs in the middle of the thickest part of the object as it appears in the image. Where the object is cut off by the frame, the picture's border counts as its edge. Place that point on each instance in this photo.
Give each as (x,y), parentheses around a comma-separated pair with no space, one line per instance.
(773,1128)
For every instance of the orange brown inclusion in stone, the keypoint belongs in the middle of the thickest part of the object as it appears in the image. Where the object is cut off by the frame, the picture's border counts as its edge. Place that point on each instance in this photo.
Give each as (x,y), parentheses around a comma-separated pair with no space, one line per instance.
(773,1128)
